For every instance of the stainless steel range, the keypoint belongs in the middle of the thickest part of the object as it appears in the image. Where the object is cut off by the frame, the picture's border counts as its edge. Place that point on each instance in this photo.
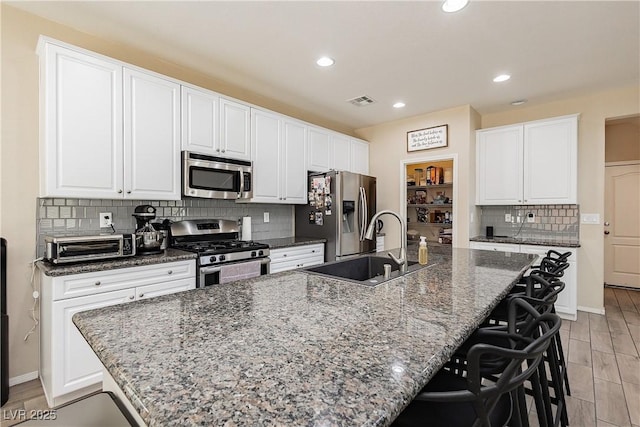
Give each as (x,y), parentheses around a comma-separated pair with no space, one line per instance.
(222,257)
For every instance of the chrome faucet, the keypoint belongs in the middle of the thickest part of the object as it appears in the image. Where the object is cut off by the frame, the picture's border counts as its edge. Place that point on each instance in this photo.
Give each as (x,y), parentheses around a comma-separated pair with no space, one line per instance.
(401,259)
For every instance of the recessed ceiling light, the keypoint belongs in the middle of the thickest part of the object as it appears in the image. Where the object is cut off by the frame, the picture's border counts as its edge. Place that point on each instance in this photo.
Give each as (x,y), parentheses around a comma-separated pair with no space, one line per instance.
(502,78)
(518,102)
(325,61)
(454,5)
(398,105)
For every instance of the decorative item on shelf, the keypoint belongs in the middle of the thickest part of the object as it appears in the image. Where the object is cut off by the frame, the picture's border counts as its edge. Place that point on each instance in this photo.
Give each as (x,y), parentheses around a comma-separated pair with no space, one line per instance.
(418,177)
(440,199)
(422,214)
(428,138)
(445,236)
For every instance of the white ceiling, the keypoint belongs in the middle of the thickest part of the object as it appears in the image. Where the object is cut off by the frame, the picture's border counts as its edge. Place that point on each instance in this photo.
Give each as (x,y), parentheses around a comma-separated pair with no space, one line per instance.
(388,50)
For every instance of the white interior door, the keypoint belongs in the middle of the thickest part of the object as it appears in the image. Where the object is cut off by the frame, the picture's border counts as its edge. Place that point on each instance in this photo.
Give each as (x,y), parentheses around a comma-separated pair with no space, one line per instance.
(622,225)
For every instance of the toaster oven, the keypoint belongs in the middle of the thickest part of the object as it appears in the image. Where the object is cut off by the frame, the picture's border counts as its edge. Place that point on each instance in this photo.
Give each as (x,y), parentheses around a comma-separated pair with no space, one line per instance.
(67,249)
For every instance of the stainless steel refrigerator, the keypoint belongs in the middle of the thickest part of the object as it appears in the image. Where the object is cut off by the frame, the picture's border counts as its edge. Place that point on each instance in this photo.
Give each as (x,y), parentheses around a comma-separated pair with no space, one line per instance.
(341,205)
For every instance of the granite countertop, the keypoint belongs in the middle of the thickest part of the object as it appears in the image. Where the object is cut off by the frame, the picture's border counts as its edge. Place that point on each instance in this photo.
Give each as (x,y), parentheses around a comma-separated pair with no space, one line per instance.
(294,348)
(526,241)
(169,255)
(284,242)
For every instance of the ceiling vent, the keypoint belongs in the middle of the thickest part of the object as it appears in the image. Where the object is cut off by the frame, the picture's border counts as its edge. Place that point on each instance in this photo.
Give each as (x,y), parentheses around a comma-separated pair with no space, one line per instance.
(361,101)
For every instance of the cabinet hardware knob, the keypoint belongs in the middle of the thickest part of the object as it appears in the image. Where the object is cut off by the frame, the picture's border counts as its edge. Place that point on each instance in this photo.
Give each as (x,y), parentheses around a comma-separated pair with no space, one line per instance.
(218,150)
(520,201)
(170,272)
(98,283)
(119,191)
(131,297)
(284,254)
(141,295)
(224,151)
(128,191)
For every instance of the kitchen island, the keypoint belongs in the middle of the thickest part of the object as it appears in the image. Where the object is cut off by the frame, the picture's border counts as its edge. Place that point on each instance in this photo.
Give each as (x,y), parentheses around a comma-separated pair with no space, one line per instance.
(295,348)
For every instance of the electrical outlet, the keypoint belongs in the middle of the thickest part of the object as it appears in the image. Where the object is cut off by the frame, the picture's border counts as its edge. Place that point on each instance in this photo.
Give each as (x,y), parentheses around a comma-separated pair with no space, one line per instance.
(106,219)
(266,217)
(507,217)
(531,217)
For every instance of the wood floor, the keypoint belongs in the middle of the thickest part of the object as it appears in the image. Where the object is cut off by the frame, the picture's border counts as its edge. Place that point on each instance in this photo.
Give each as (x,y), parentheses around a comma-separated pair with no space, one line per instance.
(602,353)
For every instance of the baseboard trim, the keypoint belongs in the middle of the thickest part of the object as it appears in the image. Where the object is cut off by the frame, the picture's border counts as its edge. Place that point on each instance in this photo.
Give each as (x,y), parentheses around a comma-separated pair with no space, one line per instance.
(592,310)
(23,378)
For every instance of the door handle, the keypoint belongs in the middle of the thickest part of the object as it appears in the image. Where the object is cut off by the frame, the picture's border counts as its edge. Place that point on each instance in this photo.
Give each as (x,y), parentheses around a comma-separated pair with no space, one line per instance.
(606,231)
(606,223)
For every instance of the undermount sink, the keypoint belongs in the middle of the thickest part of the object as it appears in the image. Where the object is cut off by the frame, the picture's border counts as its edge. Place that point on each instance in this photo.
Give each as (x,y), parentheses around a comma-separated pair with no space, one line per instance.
(366,269)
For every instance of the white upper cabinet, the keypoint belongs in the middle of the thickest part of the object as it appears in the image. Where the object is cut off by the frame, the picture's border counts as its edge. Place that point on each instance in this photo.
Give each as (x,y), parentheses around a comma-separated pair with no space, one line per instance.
(235,130)
(278,150)
(151,137)
(340,152)
(329,150)
(200,121)
(359,156)
(319,159)
(81,130)
(108,132)
(528,163)
(551,161)
(214,125)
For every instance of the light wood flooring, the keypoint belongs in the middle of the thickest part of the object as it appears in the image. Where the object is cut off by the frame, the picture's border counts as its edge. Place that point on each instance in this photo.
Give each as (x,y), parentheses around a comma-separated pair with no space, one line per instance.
(603,363)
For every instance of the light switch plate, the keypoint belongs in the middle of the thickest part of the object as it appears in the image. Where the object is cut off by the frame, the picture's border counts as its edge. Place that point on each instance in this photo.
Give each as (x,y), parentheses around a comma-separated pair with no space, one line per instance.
(266,217)
(592,218)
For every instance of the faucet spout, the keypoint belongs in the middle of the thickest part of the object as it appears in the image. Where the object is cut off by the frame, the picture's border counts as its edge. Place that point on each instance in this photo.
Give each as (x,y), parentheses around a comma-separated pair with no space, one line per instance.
(401,259)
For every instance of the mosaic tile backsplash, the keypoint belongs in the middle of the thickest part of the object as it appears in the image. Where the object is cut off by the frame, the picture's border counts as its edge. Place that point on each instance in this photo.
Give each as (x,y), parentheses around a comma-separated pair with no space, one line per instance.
(559,223)
(81,216)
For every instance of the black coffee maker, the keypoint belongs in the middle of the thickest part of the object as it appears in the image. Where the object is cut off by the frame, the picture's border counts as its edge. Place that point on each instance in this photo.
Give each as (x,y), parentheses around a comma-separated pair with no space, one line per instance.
(148,239)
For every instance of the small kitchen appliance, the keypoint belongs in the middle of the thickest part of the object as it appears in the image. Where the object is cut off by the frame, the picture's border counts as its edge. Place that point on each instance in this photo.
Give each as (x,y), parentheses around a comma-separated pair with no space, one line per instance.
(148,239)
(215,177)
(222,257)
(66,249)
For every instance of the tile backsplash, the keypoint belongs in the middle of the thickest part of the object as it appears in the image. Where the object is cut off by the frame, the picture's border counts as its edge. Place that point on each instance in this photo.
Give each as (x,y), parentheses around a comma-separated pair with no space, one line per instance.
(559,223)
(58,216)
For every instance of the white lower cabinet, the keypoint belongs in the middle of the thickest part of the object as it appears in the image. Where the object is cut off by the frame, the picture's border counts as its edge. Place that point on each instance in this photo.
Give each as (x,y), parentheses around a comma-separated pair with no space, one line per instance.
(293,257)
(567,303)
(68,366)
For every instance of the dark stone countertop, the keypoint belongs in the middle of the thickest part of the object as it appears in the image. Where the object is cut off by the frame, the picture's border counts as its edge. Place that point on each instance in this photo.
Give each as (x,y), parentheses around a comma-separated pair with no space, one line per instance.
(294,348)
(521,241)
(169,255)
(285,242)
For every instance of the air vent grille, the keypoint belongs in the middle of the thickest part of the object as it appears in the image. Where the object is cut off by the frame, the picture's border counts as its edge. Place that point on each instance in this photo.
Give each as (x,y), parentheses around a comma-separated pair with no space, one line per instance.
(361,101)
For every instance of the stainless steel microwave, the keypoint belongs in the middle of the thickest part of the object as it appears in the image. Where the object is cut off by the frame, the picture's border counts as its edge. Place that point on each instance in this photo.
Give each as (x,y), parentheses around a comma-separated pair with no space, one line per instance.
(65,249)
(215,177)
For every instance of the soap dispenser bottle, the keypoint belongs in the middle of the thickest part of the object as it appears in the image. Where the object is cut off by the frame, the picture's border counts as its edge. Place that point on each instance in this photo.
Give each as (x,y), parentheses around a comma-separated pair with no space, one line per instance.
(423,254)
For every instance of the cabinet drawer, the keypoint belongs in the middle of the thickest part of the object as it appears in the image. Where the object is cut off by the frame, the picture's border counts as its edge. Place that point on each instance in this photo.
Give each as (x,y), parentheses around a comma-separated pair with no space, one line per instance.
(76,285)
(292,264)
(296,252)
(542,250)
(500,247)
(166,288)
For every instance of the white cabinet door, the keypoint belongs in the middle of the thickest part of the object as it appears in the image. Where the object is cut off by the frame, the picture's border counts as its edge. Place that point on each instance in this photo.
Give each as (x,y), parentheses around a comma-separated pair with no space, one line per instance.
(81,113)
(200,121)
(151,137)
(359,156)
(499,166)
(567,303)
(235,130)
(550,161)
(318,150)
(340,152)
(294,155)
(265,153)
(293,257)
(74,364)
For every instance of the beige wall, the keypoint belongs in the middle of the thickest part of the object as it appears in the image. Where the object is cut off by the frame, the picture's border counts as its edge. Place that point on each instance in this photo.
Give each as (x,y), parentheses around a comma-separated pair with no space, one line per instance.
(19,151)
(594,109)
(388,149)
(622,140)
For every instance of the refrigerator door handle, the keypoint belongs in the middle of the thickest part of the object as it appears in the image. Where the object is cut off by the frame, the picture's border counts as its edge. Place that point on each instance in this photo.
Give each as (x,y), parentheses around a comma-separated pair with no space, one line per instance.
(363,214)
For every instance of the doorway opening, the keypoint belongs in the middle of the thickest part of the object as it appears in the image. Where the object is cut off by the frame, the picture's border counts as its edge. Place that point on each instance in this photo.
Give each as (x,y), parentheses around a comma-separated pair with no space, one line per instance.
(622,203)
(428,199)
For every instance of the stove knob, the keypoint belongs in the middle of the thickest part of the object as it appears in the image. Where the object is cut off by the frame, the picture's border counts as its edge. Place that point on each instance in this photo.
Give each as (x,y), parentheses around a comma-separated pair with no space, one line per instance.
(221,257)
(212,259)
(253,254)
(260,252)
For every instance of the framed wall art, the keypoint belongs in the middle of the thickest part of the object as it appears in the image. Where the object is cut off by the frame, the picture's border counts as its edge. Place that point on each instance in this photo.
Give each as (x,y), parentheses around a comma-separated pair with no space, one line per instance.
(425,139)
